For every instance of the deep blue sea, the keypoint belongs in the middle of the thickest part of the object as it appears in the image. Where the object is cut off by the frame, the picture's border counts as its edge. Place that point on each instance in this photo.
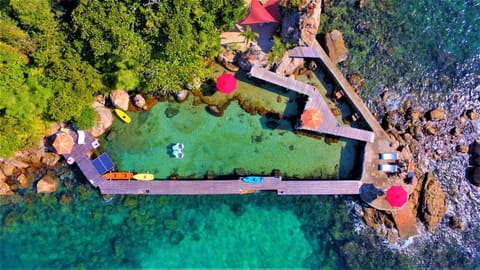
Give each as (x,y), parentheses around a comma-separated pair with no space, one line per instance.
(393,45)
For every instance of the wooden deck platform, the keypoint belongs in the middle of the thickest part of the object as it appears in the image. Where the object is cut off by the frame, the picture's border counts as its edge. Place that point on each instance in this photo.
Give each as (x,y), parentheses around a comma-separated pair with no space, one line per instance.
(329,124)
(210,187)
(79,156)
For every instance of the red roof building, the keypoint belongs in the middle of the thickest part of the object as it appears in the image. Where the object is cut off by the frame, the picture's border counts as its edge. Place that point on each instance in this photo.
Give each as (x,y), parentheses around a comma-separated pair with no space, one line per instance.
(272,7)
(258,14)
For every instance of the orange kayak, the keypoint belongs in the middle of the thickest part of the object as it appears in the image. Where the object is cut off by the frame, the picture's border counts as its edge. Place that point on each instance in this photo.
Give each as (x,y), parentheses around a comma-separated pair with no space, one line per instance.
(118,176)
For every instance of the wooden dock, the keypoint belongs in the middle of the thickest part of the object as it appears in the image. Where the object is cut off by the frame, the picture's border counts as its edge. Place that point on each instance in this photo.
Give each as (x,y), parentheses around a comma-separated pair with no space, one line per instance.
(210,187)
(404,219)
(79,155)
(329,123)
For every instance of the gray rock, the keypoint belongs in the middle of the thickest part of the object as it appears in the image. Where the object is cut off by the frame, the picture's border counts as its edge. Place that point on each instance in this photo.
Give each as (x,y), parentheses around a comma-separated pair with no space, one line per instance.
(214,110)
(336,46)
(139,101)
(120,99)
(182,95)
(437,115)
(104,119)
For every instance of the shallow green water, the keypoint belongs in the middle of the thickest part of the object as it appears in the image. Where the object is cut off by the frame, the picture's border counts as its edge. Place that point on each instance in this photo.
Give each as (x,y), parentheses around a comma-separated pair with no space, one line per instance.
(221,144)
(404,39)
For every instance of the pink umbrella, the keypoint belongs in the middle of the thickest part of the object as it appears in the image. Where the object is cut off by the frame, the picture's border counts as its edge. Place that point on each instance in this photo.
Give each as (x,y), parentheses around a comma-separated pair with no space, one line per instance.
(396,196)
(226,83)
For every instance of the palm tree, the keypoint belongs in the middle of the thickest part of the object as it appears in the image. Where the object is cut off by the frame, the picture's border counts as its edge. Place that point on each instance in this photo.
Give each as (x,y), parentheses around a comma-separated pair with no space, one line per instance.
(249,35)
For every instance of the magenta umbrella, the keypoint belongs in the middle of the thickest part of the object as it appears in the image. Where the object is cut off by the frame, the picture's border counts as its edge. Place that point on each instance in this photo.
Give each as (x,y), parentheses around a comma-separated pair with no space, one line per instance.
(396,196)
(226,83)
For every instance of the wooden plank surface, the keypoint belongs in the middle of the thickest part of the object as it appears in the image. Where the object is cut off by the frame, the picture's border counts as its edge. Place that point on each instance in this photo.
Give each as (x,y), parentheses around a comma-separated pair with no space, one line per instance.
(191,187)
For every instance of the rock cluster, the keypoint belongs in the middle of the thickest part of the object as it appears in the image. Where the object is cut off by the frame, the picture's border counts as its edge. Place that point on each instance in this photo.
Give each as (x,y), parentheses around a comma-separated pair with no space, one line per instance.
(25,167)
(423,137)
(299,27)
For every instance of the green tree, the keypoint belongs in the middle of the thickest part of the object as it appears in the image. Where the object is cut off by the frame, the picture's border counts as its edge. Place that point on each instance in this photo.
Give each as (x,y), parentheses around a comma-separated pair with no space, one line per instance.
(277,51)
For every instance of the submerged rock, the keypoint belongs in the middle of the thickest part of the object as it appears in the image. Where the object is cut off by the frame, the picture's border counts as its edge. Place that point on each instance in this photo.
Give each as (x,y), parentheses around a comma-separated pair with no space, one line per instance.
(240,171)
(336,46)
(433,205)
(176,237)
(171,112)
(120,99)
(47,184)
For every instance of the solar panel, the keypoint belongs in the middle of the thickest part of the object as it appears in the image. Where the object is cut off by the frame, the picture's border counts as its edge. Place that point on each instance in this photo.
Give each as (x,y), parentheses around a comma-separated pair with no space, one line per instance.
(103,163)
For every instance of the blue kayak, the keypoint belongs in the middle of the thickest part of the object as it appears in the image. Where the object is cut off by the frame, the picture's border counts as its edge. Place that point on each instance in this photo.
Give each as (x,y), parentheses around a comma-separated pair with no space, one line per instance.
(252,179)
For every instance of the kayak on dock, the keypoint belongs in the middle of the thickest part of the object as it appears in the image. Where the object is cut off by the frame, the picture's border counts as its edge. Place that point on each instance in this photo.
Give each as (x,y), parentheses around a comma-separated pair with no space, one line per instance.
(252,179)
(123,115)
(118,176)
(143,176)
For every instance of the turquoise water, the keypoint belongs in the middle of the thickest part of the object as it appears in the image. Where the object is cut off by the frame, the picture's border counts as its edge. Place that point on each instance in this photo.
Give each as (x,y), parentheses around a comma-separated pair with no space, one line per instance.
(407,39)
(221,144)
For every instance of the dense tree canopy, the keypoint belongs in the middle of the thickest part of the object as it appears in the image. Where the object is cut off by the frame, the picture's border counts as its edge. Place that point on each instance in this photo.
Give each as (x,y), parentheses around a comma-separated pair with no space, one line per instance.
(54,58)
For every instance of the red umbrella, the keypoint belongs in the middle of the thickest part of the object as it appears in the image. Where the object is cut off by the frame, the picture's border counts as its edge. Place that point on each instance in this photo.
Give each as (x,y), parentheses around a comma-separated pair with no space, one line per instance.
(226,83)
(63,143)
(396,196)
(311,118)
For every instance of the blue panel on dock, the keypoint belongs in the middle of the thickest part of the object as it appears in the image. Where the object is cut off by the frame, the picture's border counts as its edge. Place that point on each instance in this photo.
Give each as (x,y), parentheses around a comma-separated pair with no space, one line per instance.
(103,163)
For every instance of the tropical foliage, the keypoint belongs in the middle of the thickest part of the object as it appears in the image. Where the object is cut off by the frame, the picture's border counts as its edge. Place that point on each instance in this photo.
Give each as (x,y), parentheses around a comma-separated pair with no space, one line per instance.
(55,57)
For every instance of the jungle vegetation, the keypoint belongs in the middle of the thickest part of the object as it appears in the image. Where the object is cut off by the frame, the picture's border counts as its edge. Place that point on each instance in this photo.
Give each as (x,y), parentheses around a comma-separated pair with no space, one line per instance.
(56,55)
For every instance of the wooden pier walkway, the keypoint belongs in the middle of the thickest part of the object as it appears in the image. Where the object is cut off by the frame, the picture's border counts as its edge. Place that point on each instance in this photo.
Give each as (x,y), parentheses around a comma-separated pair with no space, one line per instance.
(79,156)
(329,123)
(210,187)
(317,52)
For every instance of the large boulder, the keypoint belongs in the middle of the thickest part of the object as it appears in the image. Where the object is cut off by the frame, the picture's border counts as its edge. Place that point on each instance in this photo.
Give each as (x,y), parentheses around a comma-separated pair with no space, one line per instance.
(433,205)
(47,184)
(335,46)
(437,115)
(104,119)
(120,99)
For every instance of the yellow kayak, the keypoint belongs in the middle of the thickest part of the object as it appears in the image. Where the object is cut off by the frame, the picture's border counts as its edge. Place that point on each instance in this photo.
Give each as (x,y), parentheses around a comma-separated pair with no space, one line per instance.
(123,115)
(143,176)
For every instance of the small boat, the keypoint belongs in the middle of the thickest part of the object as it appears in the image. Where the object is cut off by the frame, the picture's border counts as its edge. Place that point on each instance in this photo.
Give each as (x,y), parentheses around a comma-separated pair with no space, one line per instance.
(118,176)
(252,179)
(143,176)
(123,115)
